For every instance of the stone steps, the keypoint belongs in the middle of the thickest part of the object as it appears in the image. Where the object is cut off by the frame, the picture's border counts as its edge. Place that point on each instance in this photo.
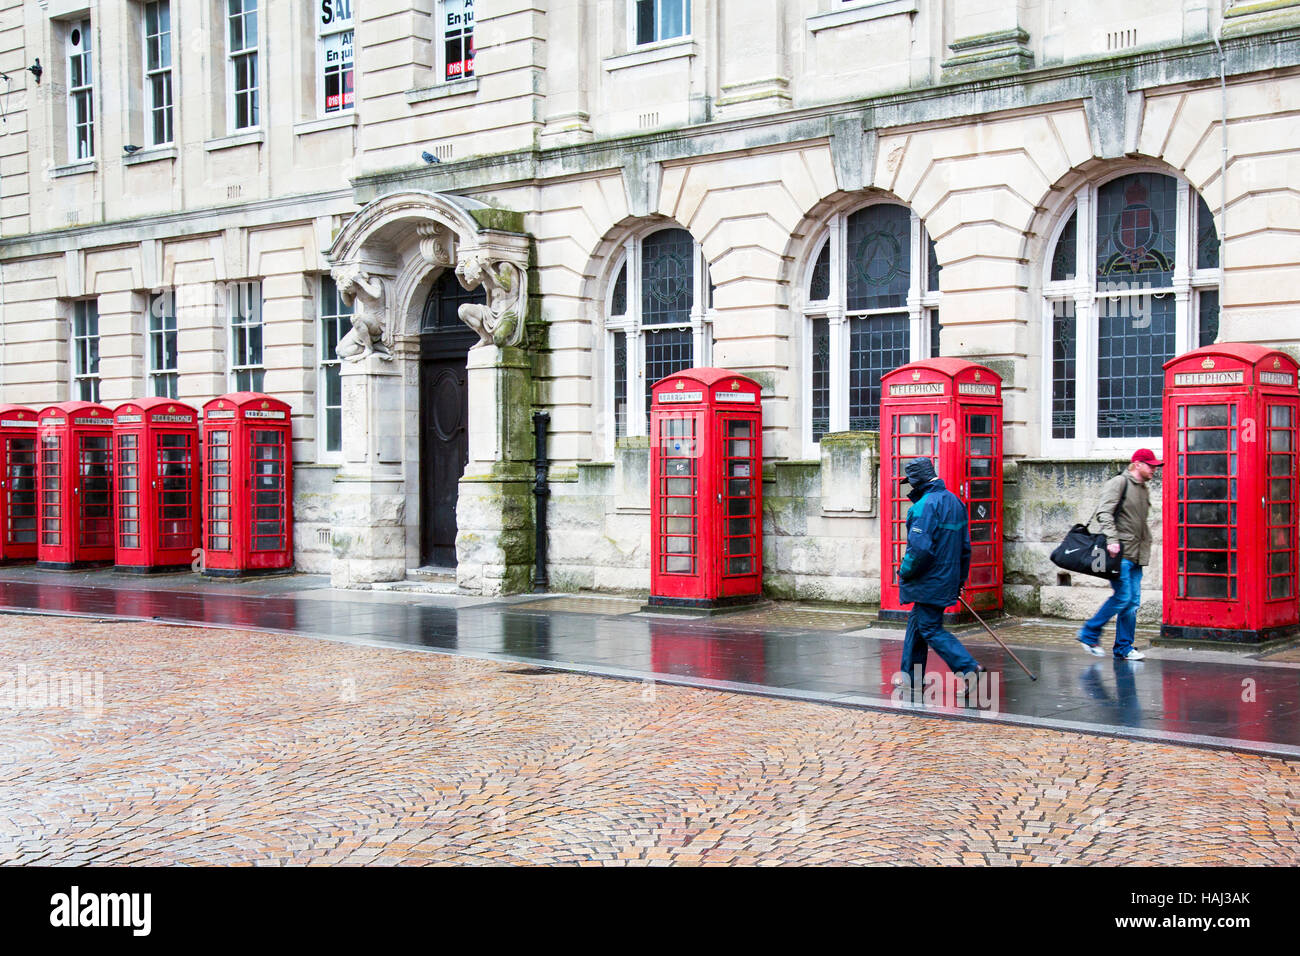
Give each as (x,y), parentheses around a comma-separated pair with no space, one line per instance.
(422,581)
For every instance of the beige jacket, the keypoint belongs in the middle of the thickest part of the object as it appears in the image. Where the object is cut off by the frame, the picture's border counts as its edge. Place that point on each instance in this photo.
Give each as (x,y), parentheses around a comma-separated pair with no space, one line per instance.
(1129,526)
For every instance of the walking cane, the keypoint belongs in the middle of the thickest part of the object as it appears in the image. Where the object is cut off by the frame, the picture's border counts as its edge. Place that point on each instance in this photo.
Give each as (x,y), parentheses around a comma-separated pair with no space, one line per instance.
(1031,674)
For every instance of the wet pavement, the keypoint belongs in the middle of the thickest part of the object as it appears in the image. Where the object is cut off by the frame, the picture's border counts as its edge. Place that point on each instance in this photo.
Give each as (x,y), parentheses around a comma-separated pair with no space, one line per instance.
(1209,699)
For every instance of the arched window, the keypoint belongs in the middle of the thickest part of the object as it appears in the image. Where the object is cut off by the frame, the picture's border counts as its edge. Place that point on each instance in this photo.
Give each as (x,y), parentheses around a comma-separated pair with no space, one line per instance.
(1132,280)
(657,317)
(871,304)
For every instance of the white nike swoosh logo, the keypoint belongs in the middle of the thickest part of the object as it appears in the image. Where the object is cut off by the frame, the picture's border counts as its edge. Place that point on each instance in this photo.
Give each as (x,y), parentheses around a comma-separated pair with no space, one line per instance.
(1072,550)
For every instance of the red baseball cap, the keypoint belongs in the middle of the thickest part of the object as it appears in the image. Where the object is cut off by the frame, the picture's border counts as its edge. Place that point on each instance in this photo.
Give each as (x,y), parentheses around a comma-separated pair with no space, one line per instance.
(1147,457)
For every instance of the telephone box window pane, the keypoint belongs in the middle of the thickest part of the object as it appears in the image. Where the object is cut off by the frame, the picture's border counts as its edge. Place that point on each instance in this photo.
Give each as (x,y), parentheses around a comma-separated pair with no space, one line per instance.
(877,345)
(1207,562)
(981,531)
(1132,350)
(1207,464)
(879,264)
(679,467)
(1201,586)
(1207,538)
(821,378)
(980,490)
(1136,226)
(738,448)
(1207,416)
(1279,440)
(738,429)
(980,424)
(1279,416)
(740,566)
(679,565)
(1201,513)
(679,526)
(680,506)
(1279,588)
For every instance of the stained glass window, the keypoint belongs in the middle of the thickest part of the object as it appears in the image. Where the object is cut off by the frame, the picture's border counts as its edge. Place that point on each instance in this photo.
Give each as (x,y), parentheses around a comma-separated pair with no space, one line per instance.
(820,287)
(877,345)
(821,378)
(1063,382)
(1208,308)
(1207,237)
(1131,351)
(659,300)
(879,259)
(667,277)
(1065,258)
(1136,230)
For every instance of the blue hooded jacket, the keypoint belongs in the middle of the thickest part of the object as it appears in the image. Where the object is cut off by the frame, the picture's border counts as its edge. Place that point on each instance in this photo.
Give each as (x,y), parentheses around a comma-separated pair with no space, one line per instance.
(937,561)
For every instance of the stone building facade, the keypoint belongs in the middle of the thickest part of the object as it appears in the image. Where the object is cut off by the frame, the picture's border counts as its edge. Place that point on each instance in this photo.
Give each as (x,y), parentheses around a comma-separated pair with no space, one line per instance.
(204,195)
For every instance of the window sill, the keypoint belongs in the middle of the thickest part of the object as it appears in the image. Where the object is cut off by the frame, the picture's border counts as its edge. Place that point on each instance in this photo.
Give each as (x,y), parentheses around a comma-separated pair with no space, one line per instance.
(442,90)
(151,154)
(74,169)
(869,11)
(245,138)
(651,53)
(337,121)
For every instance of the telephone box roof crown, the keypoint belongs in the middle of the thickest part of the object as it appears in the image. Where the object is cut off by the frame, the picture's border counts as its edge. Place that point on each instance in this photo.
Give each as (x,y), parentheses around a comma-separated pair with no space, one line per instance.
(93,409)
(148,404)
(707,376)
(1247,352)
(946,365)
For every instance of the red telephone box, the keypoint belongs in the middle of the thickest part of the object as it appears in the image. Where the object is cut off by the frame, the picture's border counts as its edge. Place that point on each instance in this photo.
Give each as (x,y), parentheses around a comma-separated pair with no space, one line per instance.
(248,485)
(950,411)
(1232,414)
(75,485)
(706,495)
(17,484)
(155,474)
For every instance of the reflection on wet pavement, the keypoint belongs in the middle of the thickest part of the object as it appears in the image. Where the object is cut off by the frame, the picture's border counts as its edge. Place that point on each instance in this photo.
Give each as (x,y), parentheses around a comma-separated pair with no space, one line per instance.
(1239,703)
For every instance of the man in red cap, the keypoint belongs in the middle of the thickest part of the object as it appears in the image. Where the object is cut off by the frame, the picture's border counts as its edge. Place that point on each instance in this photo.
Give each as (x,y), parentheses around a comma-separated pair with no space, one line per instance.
(1122,515)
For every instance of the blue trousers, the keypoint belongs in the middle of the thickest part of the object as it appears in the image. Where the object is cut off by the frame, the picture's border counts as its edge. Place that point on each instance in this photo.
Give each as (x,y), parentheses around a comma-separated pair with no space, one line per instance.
(1122,605)
(925,630)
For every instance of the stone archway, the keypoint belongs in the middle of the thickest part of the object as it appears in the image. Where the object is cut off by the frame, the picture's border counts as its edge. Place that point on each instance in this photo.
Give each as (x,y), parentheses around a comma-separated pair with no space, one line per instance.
(384,261)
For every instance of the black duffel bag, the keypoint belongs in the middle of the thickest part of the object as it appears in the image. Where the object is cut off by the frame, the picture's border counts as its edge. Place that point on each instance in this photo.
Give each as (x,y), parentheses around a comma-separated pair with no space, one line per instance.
(1085,553)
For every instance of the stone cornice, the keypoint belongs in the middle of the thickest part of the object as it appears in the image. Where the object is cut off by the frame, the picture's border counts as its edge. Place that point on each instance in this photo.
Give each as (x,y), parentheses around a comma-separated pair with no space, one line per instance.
(1032,89)
(186,222)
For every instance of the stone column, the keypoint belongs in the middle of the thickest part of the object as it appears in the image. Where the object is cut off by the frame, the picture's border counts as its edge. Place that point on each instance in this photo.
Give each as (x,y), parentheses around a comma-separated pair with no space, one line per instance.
(369,516)
(494,508)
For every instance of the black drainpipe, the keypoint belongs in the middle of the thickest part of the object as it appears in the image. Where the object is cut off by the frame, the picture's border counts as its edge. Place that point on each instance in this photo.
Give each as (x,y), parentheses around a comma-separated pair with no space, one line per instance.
(541,491)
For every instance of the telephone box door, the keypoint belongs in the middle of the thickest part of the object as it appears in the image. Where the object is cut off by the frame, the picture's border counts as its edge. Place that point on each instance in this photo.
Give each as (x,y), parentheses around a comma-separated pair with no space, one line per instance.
(740,569)
(17,484)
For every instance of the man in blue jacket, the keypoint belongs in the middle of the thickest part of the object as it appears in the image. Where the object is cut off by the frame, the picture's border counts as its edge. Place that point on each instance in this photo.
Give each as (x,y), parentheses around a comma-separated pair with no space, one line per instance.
(933,571)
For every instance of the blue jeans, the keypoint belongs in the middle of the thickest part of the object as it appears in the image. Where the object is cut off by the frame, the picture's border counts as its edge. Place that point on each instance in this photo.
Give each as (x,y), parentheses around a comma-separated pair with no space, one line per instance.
(925,630)
(1121,605)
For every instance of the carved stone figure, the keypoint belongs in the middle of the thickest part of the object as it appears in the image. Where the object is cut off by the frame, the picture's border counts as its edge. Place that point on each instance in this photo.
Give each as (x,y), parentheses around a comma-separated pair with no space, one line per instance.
(371,334)
(501,321)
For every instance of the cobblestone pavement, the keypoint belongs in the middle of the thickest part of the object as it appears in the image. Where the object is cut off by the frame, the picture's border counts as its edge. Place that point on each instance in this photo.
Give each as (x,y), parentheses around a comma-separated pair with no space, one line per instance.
(216,747)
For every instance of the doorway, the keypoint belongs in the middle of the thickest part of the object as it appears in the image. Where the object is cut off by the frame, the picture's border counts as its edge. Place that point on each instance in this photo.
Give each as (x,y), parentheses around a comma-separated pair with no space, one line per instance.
(445,342)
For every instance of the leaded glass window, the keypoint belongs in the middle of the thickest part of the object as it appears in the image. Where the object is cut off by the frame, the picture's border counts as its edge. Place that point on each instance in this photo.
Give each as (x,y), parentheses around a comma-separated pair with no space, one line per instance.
(1148,291)
(658,307)
(879,258)
(335,322)
(872,304)
(877,344)
(164,379)
(667,277)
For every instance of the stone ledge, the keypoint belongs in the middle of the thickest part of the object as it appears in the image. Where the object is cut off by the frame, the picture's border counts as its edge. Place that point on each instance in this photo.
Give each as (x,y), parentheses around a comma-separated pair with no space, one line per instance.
(651,53)
(443,90)
(247,138)
(874,10)
(150,155)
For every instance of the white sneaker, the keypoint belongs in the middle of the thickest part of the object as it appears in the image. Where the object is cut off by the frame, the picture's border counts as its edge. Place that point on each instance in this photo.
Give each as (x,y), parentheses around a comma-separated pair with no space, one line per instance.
(1134,655)
(1093,649)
